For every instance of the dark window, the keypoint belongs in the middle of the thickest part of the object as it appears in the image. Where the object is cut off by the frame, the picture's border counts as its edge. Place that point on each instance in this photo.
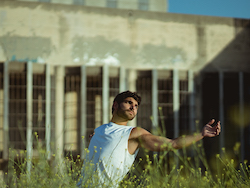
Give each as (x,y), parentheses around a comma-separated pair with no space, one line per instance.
(231,109)
(44,1)
(78,2)
(144,89)
(1,108)
(246,85)
(39,99)
(184,103)
(17,110)
(72,102)
(112,3)
(165,103)
(210,108)
(94,98)
(113,87)
(143,4)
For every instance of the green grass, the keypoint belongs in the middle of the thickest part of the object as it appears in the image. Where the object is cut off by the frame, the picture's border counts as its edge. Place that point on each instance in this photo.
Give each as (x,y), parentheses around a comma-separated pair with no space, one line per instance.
(165,169)
(150,171)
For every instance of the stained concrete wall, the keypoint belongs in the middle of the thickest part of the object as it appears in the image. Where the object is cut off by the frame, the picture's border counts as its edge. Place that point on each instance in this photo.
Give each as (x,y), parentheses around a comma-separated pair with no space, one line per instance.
(159,5)
(74,35)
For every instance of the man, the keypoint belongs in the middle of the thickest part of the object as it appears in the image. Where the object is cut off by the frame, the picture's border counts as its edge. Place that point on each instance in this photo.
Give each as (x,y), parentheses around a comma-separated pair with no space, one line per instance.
(114,146)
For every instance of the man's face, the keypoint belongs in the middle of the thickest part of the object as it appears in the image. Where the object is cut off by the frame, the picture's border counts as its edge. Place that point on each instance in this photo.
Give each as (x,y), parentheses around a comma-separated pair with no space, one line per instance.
(128,108)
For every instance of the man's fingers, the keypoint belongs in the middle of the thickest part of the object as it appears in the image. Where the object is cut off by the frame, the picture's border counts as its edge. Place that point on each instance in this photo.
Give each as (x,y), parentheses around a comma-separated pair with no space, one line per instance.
(210,130)
(218,127)
(211,122)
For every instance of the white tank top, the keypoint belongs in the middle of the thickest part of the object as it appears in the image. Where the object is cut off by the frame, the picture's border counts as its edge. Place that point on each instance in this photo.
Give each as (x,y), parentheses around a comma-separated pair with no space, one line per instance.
(108,151)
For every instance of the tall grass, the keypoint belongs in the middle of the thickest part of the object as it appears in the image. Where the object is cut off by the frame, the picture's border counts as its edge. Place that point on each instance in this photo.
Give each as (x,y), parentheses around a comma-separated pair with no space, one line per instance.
(149,171)
(192,172)
(164,169)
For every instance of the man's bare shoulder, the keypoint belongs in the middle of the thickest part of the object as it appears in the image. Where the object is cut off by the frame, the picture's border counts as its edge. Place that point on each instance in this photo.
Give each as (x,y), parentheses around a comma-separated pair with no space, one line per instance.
(137,132)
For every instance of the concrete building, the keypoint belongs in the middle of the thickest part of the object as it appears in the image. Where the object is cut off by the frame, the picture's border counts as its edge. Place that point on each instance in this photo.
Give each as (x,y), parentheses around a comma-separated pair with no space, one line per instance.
(146,5)
(62,65)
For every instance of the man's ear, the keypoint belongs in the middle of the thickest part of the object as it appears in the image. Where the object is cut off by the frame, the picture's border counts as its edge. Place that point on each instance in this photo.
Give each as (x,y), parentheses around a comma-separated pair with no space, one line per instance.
(115,105)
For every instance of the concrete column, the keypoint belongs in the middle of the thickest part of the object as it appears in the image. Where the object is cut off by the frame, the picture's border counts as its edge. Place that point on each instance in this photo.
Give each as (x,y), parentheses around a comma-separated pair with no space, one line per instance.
(29,101)
(132,76)
(191,91)
(70,123)
(155,98)
(105,94)
(122,80)
(48,112)
(59,111)
(6,111)
(98,112)
(241,115)
(176,101)
(83,110)
(221,108)
(176,108)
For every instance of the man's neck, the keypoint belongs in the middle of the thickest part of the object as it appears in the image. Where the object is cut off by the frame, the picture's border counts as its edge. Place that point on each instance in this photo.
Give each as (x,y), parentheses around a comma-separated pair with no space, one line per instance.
(119,121)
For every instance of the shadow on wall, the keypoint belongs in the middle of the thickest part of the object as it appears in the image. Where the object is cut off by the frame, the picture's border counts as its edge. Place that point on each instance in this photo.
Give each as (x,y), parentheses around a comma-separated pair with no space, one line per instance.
(236,55)
(98,50)
(233,59)
(23,49)
(162,55)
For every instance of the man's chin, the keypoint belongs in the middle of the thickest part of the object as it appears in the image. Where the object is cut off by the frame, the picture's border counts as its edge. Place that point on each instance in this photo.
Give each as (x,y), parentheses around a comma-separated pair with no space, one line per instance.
(131,118)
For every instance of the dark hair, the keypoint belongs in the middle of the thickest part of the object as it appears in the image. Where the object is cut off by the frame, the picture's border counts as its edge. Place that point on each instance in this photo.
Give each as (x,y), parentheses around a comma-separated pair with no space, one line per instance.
(122,96)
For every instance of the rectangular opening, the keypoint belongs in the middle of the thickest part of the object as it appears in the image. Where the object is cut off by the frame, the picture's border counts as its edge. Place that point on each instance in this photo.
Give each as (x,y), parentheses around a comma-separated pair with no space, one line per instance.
(210,108)
(72,101)
(112,3)
(165,102)
(143,4)
(1,109)
(94,98)
(144,89)
(17,109)
(184,103)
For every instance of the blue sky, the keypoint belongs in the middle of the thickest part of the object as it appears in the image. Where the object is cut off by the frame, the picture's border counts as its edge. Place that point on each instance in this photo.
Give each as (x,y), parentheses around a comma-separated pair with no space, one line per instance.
(224,8)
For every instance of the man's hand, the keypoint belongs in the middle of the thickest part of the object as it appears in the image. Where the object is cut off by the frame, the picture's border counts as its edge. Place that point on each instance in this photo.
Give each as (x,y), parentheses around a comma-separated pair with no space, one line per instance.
(90,136)
(139,137)
(209,131)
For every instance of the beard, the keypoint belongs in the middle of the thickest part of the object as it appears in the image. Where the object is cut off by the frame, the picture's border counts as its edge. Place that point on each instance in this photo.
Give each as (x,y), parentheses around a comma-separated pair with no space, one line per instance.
(125,114)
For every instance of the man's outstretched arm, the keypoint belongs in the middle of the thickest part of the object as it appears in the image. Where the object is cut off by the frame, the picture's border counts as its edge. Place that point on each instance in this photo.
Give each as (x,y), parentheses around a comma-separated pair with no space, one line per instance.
(159,143)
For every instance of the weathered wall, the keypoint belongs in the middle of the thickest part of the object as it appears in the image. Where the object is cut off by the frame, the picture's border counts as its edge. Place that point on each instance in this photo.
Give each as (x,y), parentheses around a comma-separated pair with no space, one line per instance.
(73,35)
(159,5)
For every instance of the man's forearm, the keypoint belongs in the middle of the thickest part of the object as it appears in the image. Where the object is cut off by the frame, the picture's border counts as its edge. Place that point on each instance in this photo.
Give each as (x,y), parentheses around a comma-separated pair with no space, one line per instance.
(159,143)
(184,141)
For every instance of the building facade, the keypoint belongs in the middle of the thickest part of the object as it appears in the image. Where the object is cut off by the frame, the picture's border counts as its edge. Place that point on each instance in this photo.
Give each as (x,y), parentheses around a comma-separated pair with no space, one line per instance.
(146,5)
(62,65)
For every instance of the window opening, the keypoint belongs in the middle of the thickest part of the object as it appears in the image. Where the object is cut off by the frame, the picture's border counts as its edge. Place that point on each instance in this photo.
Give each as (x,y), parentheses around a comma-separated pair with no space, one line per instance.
(144,89)
(78,2)
(72,110)
(94,99)
(17,110)
(112,3)
(143,4)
